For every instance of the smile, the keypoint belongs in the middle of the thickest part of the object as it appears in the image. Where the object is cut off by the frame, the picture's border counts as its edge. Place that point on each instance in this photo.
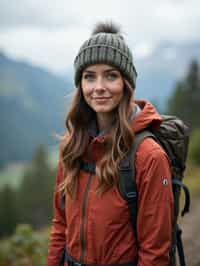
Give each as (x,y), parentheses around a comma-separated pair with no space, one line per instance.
(101,98)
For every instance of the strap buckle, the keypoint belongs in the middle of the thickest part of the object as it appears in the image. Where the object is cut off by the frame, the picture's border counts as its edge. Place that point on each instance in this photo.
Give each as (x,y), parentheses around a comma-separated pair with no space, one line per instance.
(75,263)
(131,195)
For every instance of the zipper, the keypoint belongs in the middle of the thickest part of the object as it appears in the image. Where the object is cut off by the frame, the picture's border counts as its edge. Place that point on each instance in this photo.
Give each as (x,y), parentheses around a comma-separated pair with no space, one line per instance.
(83,216)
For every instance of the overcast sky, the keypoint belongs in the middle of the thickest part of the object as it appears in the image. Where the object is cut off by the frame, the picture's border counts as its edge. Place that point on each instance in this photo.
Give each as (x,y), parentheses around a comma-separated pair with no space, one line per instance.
(49,33)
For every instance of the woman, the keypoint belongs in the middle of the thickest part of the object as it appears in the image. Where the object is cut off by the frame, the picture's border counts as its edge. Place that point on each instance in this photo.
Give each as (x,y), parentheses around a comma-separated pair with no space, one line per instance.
(91,222)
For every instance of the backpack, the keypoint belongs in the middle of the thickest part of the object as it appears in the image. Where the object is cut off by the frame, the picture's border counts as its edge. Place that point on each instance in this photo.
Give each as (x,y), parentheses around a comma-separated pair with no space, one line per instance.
(173,136)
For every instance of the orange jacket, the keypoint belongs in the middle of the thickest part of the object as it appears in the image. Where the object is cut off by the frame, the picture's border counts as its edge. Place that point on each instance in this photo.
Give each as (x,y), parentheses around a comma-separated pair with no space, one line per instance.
(97,229)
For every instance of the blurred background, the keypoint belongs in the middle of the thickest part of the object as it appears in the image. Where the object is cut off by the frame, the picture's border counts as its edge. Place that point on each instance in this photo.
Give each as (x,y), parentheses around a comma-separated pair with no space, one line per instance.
(38,43)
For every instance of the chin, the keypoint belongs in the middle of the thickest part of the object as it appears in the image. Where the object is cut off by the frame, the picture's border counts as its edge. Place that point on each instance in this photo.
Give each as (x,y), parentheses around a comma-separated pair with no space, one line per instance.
(103,110)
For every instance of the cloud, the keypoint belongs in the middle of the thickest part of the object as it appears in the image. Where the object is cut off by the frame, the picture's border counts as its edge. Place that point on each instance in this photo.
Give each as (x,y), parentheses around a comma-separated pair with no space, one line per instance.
(49,32)
(53,49)
(169,54)
(142,50)
(50,14)
(42,14)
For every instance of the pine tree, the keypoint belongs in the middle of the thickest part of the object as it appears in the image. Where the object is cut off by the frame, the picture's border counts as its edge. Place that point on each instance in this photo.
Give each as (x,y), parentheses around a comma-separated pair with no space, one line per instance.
(36,191)
(185,101)
(8,211)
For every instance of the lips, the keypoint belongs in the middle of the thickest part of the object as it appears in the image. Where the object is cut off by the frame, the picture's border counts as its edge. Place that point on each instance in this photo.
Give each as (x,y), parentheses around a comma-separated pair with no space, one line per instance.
(101,100)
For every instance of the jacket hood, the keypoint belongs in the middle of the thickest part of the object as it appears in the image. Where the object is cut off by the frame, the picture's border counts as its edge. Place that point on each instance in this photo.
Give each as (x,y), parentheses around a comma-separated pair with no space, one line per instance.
(147,117)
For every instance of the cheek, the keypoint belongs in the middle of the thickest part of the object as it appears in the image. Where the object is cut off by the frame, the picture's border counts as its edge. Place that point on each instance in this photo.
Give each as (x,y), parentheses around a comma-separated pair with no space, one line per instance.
(87,90)
(118,90)
(119,86)
(119,97)
(86,94)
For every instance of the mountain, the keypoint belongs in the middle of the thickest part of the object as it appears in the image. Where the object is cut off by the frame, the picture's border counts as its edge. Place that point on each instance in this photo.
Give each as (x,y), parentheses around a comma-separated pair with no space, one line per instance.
(32,108)
(159,72)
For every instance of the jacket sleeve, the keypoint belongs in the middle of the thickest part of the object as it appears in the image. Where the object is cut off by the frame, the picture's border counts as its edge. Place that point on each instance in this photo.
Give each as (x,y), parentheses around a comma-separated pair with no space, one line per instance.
(58,227)
(155,206)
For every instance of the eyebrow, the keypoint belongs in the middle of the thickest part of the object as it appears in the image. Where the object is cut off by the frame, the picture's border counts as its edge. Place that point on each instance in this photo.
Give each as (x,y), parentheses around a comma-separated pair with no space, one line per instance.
(107,70)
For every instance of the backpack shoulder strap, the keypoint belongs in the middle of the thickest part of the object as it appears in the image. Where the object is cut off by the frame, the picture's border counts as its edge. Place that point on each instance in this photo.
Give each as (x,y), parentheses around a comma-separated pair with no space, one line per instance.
(127,183)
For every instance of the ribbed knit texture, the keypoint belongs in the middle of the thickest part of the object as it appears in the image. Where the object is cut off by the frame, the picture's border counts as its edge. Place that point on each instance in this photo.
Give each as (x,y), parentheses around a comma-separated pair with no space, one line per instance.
(106,48)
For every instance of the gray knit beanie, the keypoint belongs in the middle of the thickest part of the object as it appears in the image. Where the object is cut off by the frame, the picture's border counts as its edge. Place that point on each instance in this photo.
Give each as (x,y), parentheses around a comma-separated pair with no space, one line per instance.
(106,46)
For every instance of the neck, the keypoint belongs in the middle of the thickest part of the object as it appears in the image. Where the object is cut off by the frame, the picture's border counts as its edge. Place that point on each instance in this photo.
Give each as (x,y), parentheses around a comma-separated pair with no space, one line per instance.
(104,120)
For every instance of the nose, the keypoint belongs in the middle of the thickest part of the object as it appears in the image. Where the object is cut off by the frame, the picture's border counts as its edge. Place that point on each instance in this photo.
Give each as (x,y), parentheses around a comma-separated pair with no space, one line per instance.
(99,84)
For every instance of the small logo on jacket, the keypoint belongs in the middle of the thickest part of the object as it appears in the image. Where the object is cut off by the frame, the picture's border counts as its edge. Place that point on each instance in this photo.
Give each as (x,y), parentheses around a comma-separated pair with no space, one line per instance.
(165,182)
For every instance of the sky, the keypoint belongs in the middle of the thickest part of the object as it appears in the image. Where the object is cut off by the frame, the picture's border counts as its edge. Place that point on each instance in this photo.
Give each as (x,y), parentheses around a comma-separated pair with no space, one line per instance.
(48,33)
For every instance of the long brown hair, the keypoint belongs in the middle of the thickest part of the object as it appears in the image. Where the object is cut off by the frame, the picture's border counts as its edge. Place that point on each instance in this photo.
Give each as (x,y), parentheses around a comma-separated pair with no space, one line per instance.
(117,143)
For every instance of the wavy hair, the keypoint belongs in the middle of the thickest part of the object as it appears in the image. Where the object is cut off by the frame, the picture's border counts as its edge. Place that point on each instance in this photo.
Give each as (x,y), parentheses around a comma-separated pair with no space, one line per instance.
(117,143)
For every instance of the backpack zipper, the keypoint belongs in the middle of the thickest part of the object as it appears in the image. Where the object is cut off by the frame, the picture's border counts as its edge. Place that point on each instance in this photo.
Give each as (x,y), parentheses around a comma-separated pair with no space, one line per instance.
(83,216)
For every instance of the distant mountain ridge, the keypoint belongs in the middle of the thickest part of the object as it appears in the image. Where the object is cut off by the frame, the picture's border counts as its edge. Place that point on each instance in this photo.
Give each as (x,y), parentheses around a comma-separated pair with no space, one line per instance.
(32,103)
(159,72)
(32,108)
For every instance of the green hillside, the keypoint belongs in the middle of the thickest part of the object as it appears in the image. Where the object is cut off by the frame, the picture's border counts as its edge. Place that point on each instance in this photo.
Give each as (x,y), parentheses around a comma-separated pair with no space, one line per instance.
(32,109)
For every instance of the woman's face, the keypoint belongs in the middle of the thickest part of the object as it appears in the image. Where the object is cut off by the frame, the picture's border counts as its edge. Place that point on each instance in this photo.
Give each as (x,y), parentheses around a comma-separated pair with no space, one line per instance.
(102,87)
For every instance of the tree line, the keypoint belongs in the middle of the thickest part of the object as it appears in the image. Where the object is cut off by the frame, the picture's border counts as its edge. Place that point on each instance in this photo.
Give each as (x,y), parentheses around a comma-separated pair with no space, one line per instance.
(31,203)
(185,100)
(185,103)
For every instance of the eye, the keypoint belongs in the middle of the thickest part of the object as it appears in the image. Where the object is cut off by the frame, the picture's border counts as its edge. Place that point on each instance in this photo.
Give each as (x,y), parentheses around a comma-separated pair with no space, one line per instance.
(112,76)
(89,77)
